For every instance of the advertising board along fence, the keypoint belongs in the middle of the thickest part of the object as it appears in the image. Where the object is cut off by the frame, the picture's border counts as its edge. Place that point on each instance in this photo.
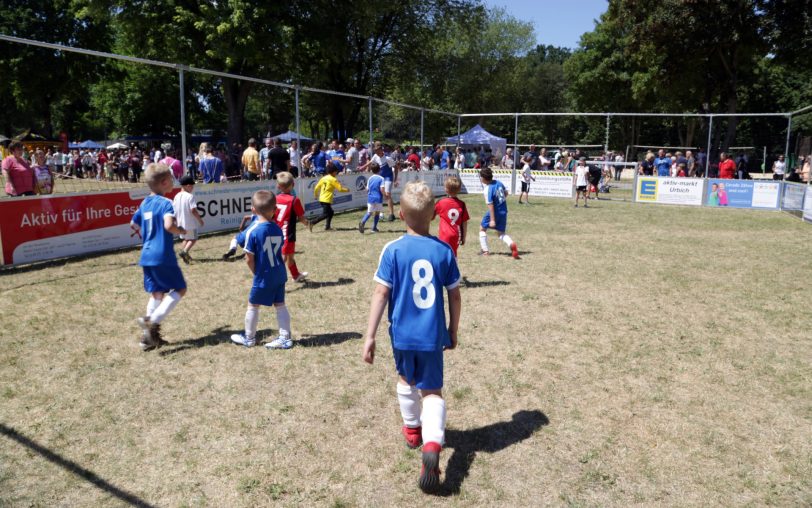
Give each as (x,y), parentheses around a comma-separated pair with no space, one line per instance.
(37,228)
(552,184)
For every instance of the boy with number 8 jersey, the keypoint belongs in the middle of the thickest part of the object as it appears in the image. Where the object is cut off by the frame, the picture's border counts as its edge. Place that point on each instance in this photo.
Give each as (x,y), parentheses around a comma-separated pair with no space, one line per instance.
(411,275)
(263,254)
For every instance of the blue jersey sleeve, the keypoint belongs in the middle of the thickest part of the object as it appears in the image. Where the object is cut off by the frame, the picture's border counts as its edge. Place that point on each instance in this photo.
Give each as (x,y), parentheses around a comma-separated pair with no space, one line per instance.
(452,275)
(250,242)
(138,218)
(385,273)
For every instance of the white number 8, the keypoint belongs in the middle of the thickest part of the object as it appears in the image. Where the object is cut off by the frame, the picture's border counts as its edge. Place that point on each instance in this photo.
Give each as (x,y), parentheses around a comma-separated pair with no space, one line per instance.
(421,282)
(453,215)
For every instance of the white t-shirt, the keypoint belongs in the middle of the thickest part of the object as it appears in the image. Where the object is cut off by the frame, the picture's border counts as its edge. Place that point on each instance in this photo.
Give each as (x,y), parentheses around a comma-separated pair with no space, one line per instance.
(580,175)
(459,161)
(544,163)
(426,163)
(184,203)
(352,156)
(527,173)
(779,167)
(157,157)
(295,157)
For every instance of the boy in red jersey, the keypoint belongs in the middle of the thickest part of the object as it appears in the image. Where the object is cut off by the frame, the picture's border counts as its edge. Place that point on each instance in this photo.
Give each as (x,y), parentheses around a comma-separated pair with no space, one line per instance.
(289,210)
(453,215)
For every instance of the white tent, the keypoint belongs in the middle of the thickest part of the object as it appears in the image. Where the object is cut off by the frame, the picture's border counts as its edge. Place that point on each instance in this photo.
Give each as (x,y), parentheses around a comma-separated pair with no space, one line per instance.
(117,146)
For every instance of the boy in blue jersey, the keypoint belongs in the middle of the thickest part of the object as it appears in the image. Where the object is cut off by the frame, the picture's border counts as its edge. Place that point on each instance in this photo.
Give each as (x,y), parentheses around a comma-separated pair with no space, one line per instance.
(155,222)
(263,254)
(239,239)
(375,190)
(411,275)
(496,216)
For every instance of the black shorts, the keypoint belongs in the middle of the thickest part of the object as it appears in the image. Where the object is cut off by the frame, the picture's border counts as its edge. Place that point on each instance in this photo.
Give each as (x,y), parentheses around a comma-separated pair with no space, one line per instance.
(525,187)
(581,188)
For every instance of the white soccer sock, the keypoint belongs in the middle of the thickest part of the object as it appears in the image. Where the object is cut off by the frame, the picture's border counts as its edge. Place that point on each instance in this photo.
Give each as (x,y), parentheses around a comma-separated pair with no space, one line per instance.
(483,241)
(233,244)
(165,307)
(251,320)
(409,400)
(507,239)
(434,420)
(152,305)
(283,316)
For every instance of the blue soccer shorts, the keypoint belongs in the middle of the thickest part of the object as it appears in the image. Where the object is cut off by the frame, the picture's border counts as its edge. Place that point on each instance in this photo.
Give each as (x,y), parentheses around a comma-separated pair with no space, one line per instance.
(423,369)
(163,278)
(268,295)
(501,222)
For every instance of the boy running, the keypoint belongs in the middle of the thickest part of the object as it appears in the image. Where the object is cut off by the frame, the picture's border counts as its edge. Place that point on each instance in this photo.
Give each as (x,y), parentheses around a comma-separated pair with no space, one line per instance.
(155,222)
(263,254)
(375,192)
(289,211)
(411,275)
(496,216)
(324,190)
(187,215)
(453,215)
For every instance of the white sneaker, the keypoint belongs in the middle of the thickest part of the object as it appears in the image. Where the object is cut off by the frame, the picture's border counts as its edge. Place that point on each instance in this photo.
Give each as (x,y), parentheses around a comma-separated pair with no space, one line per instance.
(302,276)
(279,343)
(239,338)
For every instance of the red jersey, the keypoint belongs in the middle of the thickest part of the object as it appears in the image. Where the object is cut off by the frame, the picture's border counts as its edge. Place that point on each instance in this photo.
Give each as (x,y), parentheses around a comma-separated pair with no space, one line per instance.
(288,211)
(727,168)
(414,159)
(452,213)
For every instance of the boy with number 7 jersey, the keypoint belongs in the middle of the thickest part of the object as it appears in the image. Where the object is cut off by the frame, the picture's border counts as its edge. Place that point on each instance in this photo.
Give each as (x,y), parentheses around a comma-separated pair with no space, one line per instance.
(411,275)
(263,254)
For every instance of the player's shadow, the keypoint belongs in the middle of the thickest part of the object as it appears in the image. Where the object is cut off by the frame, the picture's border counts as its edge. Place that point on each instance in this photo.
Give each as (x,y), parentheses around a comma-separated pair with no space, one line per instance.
(393,231)
(100,483)
(490,439)
(483,283)
(327,339)
(521,253)
(314,284)
(337,228)
(216,337)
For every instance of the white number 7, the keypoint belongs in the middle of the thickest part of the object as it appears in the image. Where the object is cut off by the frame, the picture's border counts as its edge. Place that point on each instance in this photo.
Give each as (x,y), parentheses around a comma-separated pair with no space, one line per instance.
(271,246)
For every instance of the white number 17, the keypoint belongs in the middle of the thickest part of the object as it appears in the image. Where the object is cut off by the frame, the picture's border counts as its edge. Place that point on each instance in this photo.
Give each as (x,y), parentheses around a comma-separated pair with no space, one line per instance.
(271,247)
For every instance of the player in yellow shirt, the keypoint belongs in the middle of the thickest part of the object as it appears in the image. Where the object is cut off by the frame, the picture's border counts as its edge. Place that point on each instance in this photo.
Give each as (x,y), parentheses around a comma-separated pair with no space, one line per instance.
(324,190)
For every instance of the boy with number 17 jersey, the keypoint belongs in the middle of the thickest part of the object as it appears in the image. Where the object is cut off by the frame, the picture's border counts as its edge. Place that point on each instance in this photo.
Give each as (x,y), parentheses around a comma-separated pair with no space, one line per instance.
(263,254)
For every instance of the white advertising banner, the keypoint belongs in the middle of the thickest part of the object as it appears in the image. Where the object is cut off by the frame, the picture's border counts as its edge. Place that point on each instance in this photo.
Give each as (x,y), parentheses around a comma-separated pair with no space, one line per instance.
(808,206)
(793,196)
(550,184)
(669,191)
(471,184)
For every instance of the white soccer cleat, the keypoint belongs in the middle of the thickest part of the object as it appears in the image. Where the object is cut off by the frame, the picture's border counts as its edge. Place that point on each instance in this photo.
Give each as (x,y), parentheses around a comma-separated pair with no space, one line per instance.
(280,343)
(242,340)
(301,277)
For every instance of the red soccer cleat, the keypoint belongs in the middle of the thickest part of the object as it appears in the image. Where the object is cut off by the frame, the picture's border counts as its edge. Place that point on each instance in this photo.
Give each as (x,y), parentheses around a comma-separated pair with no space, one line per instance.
(413,435)
(430,471)
(515,250)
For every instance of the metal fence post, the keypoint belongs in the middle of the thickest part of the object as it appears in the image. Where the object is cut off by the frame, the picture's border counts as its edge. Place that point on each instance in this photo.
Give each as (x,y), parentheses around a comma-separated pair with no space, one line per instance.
(422,119)
(459,123)
(708,158)
(515,152)
(298,135)
(182,115)
(789,131)
(606,141)
(371,138)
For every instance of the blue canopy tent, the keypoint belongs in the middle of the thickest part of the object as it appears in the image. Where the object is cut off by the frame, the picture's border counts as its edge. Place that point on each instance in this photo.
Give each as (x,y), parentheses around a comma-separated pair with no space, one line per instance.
(477,136)
(287,137)
(92,145)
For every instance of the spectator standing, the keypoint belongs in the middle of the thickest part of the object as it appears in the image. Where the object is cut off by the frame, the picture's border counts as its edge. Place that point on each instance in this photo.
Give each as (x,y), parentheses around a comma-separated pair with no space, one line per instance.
(701,163)
(43,178)
(279,159)
(779,168)
(413,159)
(191,164)
(59,161)
(691,163)
(743,167)
(647,165)
(507,159)
(618,166)
(264,160)
(363,155)
(250,161)
(295,157)
(427,162)
(459,159)
(174,164)
(445,158)
(211,166)
(353,155)
(531,158)
(727,168)
(544,160)
(662,163)
(17,172)
(336,154)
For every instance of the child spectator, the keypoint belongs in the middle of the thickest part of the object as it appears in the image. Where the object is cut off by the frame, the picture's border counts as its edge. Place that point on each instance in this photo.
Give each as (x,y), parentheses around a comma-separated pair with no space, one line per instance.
(155,222)
(375,191)
(411,275)
(43,178)
(324,190)
(496,216)
(453,215)
(289,211)
(581,172)
(188,216)
(527,177)
(263,254)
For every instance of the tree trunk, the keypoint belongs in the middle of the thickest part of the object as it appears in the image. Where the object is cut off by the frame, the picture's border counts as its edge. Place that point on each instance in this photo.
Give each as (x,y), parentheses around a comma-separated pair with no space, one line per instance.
(337,121)
(236,96)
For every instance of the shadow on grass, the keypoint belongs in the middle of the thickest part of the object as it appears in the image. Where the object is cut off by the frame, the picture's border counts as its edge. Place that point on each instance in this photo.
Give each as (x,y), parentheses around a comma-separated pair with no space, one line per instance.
(93,272)
(484,283)
(314,284)
(327,339)
(73,467)
(490,439)
(508,254)
(216,337)
(219,259)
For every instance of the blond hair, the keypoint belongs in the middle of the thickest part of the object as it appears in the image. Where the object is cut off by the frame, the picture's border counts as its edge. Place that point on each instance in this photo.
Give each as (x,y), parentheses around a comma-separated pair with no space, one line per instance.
(417,203)
(156,173)
(284,180)
(264,202)
(453,185)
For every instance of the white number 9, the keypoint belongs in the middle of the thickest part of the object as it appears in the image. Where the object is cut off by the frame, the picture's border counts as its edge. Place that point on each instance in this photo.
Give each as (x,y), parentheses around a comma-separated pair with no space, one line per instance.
(423,282)
(453,215)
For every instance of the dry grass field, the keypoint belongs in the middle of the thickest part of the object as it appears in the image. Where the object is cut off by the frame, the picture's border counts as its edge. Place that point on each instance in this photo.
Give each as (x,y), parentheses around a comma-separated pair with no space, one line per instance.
(636,355)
